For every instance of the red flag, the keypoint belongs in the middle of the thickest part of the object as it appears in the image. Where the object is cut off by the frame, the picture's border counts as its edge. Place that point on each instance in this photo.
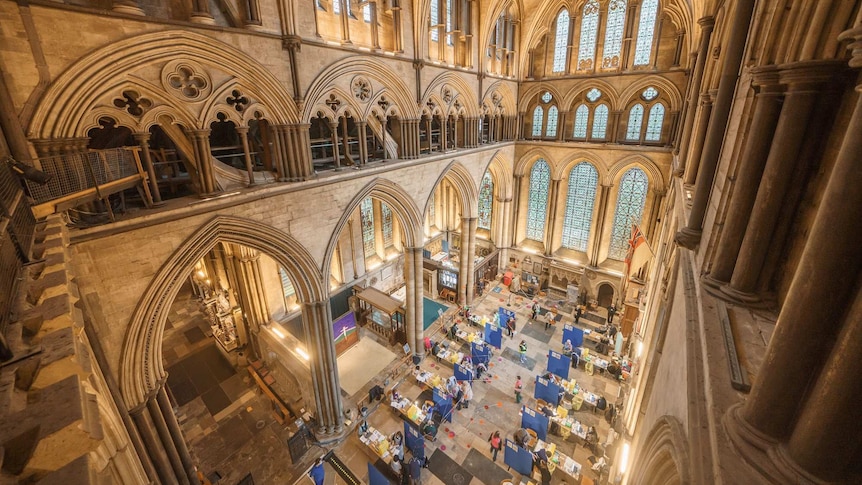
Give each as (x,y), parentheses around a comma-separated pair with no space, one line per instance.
(639,251)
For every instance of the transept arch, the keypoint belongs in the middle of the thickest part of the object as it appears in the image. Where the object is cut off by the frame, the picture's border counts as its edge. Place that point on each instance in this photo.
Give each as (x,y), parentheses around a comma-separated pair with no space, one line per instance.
(453,91)
(502,173)
(148,65)
(458,175)
(141,366)
(499,96)
(663,459)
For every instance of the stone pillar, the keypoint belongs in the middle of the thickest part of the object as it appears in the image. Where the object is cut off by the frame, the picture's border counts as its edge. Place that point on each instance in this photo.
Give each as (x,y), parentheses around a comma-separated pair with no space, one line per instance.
(361,127)
(810,373)
(333,136)
(204,159)
(463,260)
(516,202)
(704,112)
(375,34)
(707,24)
(243,138)
(471,260)
(613,126)
(418,304)
(444,134)
(740,22)
(804,82)
(166,439)
(143,140)
(252,294)
(766,108)
(397,28)
(129,7)
(604,195)
(553,199)
(299,153)
(151,443)
(201,12)
(345,21)
(164,404)
(317,320)
(252,13)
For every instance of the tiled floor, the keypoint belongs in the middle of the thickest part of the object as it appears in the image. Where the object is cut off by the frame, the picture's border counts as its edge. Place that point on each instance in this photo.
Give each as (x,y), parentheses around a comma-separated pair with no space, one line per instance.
(243,437)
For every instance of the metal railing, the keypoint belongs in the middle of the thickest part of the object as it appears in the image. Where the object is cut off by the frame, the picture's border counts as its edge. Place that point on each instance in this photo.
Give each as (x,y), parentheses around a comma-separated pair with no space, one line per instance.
(77,172)
(17,226)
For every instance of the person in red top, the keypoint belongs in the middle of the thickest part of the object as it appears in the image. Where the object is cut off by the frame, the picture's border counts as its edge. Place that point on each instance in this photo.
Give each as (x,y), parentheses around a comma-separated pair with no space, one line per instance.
(496,444)
(518,387)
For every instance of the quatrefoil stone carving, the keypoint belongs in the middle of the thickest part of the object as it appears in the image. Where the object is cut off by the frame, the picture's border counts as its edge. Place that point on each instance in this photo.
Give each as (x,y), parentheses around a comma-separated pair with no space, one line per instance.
(185,81)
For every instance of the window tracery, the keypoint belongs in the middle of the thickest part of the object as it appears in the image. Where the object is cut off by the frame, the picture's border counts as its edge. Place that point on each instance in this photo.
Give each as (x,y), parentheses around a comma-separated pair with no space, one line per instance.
(630,205)
(646,29)
(580,197)
(540,178)
(561,41)
(486,199)
(589,31)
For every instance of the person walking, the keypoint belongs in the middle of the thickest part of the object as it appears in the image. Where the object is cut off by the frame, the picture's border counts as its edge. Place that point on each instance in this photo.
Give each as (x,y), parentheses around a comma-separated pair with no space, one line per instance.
(549,319)
(496,444)
(518,387)
(317,472)
(522,349)
(535,309)
(510,326)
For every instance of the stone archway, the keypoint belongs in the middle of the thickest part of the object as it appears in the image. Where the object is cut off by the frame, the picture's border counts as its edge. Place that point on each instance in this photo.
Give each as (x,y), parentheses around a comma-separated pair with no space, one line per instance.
(605,295)
(663,459)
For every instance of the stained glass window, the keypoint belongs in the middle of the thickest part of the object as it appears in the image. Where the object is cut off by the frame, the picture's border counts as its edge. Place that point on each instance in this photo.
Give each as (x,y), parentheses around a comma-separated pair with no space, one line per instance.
(630,208)
(448,22)
(649,93)
(636,117)
(581,116)
(366,217)
(654,121)
(540,178)
(286,284)
(366,12)
(593,95)
(551,130)
(538,119)
(600,122)
(336,7)
(579,206)
(435,19)
(486,201)
(386,215)
(589,30)
(646,28)
(560,41)
(614,33)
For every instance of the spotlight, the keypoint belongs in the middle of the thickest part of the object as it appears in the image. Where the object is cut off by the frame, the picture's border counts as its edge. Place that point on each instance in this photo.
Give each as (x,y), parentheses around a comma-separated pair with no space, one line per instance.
(29,172)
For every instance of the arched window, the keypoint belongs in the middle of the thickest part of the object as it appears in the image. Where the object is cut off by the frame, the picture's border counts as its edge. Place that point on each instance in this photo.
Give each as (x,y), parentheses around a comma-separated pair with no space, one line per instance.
(600,122)
(630,207)
(589,30)
(582,114)
(538,119)
(366,13)
(614,33)
(579,206)
(540,178)
(551,130)
(336,7)
(561,40)
(486,201)
(654,121)
(386,215)
(366,218)
(636,118)
(646,28)
(286,284)
(448,22)
(434,20)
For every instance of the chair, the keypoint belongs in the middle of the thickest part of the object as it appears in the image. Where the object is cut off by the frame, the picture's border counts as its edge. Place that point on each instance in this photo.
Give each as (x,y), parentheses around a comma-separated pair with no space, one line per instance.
(540,403)
(534,438)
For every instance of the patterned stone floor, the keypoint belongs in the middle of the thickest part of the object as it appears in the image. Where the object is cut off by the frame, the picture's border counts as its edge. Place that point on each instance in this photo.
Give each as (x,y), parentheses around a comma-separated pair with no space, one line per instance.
(243,437)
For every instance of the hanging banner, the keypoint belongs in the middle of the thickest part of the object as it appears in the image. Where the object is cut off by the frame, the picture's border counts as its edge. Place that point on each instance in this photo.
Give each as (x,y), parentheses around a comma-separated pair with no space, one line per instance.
(444,404)
(463,374)
(480,353)
(575,334)
(493,335)
(414,440)
(559,364)
(375,477)
(532,419)
(520,459)
(547,391)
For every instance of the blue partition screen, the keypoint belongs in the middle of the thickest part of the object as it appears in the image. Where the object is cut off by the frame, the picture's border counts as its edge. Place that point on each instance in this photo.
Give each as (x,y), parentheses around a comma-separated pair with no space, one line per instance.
(538,422)
(480,353)
(375,477)
(575,334)
(463,374)
(414,440)
(559,364)
(493,335)
(518,458)
(443,404)
(547,391)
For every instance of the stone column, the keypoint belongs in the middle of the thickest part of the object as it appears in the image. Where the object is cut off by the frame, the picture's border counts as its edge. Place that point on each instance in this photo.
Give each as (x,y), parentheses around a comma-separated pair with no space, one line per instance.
(470,285)
(740,22)
(516,202)
(804,82)
(243,138)
(766,108)
(167,411)
(463,260)
(604,195)
(418,304)
(151,443)
(704,111)
(129,7)
(333,136)
(707,24)
(278,154)
(201,12)
(444,134)
(613,126)
(143,140)
(252,12)
(810,373)
(299,154)
(375,34)
(166,439)
(317,320)
(252,294)
(361,127)
(203,155)
(345,21)
(553,199)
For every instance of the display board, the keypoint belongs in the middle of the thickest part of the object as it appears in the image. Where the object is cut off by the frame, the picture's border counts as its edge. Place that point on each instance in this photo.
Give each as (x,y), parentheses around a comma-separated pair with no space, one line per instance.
(480,353)
(575,334)
(532,419)
(547,391)
(463,374)
(503,315)
(559,364)
(376,477)
(493,335)
(443,404)
(414,440)
(518,458)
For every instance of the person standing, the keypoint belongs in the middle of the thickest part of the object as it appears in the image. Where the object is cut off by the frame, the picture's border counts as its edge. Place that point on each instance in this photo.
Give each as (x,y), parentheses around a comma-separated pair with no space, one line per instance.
(510,326)
(518,387)
(535,310)
(549,319)
(578,313)
(416,470)
(496,444)
(317,472)
(612,310)
(522,349)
